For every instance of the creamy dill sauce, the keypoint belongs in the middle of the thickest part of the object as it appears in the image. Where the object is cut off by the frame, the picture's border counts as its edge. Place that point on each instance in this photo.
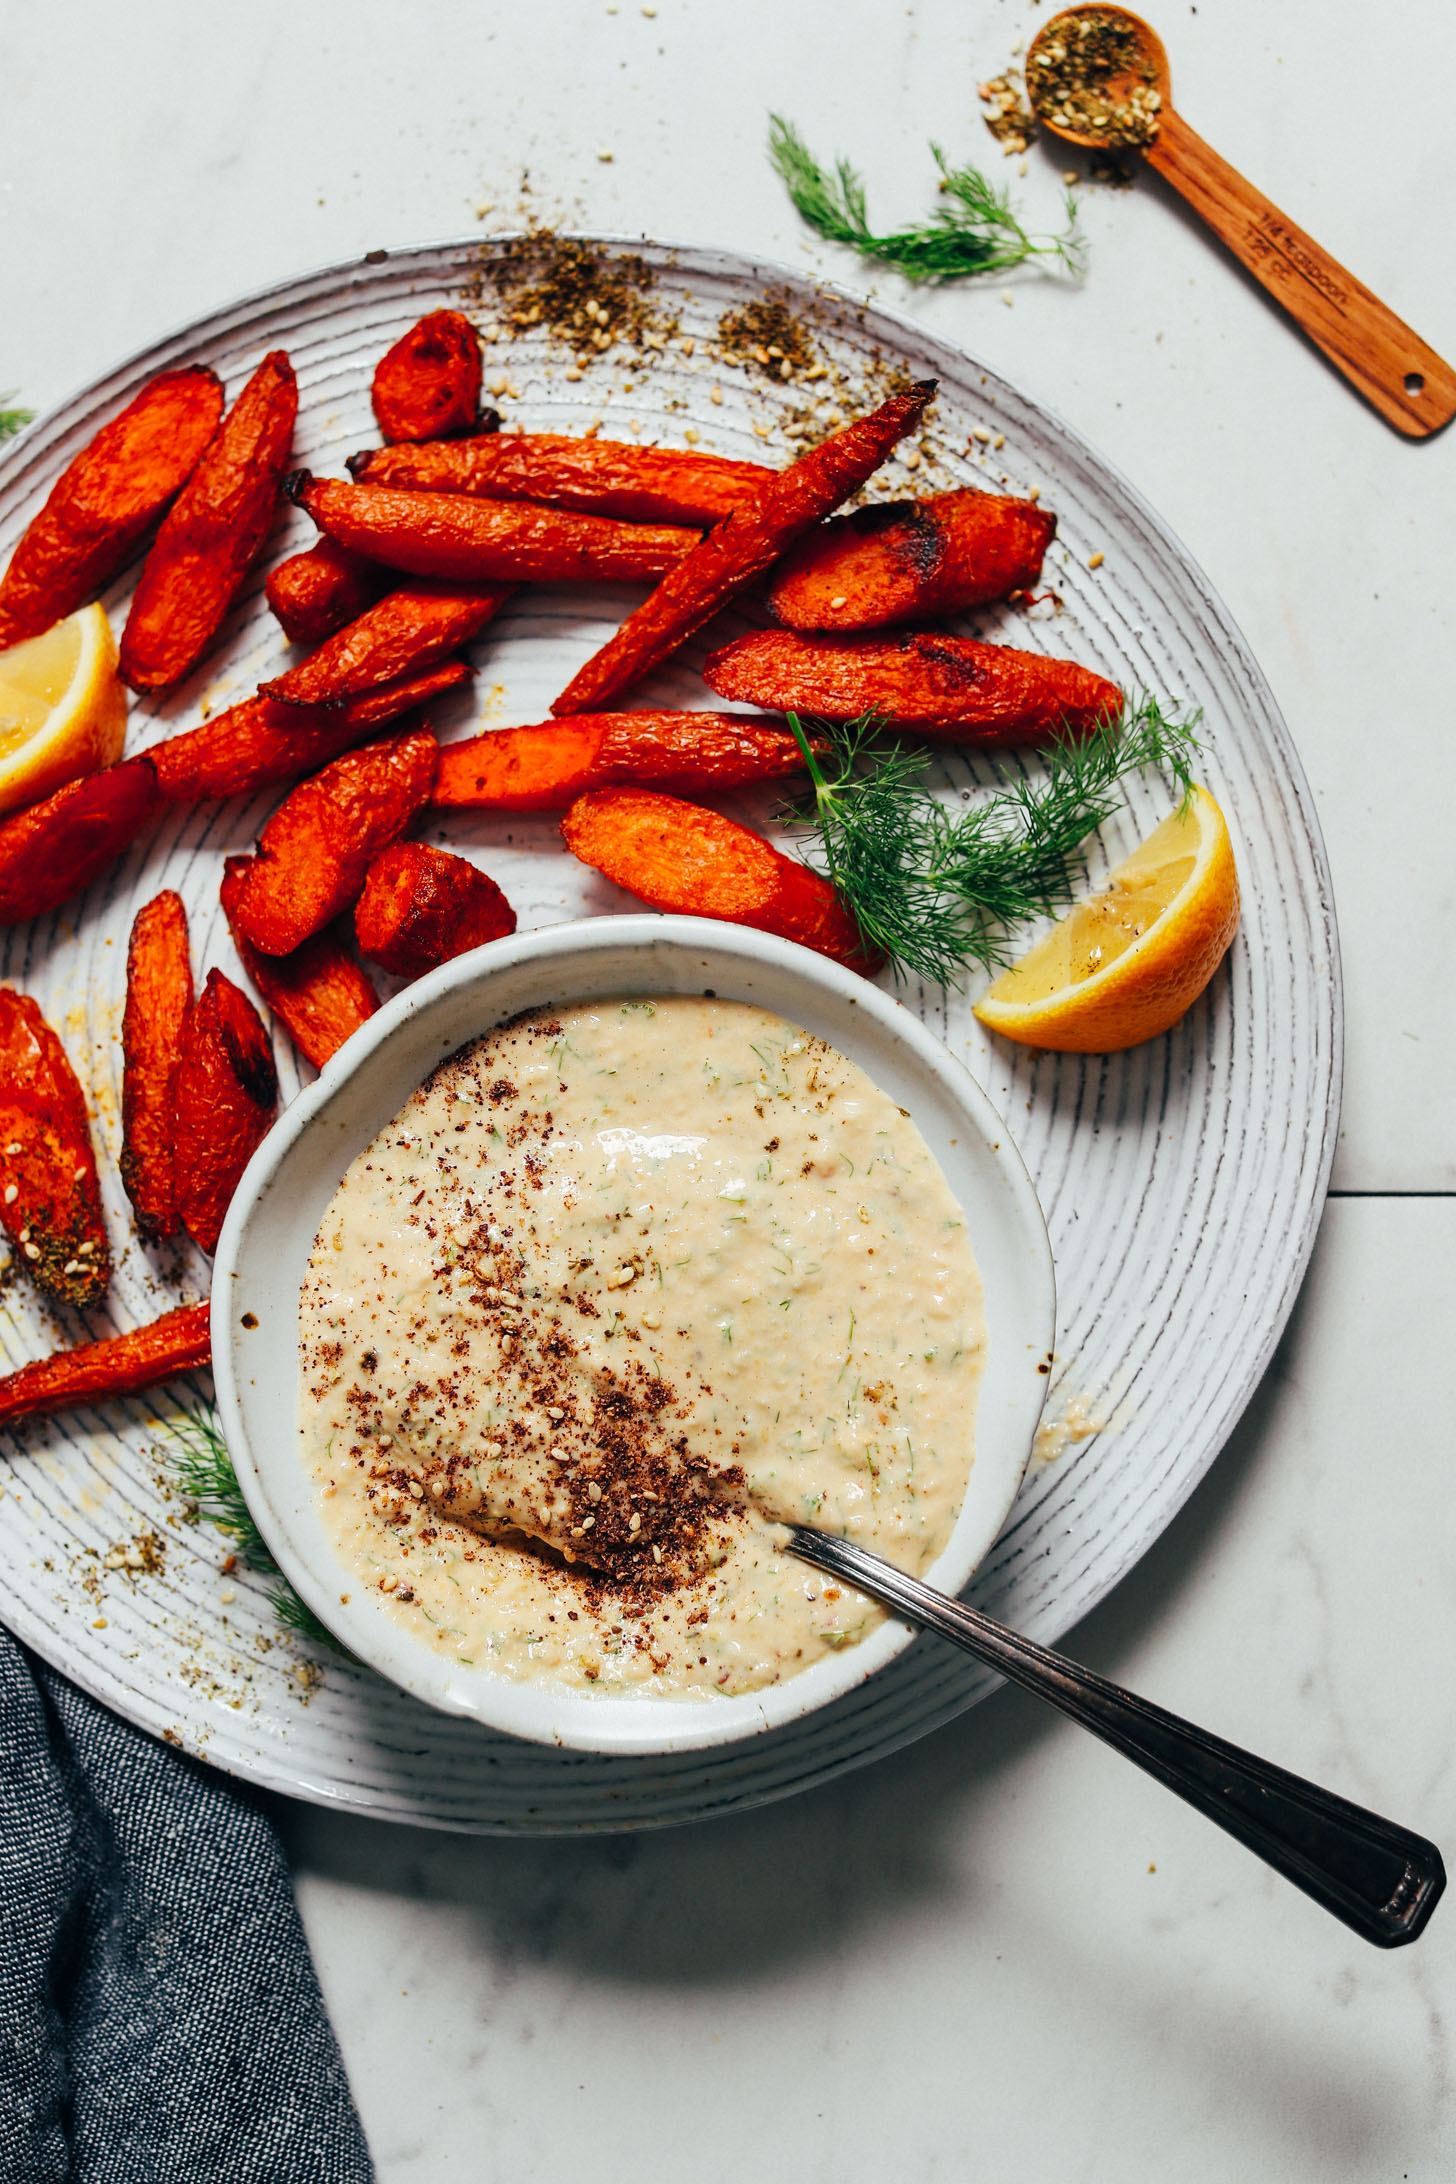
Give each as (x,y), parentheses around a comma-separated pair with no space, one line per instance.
(609,1253)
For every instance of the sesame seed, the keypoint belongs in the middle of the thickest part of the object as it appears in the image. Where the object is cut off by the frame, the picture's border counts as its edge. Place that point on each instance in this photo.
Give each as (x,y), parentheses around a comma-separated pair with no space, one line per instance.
(690,433)
(604,155)
(32,1251)
(981,433)
(715,395)
(79,1176)
(17,1147)
(388,1583)
(227,1596)
(594,1492)
(498,383)
(1000,440)
(12,1192)
(587,1523)
(1094,561)
(72,1266)
(839,600)
(634,1522)
(657,1554)
(84,1251)
(416,1490)
(25,1234)
(573,371)
(911,458)
(1033,492)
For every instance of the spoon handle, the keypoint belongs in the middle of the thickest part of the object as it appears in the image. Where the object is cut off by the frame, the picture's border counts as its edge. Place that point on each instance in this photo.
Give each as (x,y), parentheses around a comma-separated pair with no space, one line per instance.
(1412,387)
(1380,1879)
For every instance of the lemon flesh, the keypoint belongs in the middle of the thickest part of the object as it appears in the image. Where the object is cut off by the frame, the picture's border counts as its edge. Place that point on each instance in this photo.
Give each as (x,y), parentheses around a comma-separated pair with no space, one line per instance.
(62,708)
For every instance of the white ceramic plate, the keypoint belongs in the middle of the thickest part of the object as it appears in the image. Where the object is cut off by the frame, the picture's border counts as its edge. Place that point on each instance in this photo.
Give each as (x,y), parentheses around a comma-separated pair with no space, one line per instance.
(263,1254)
(1182,1182)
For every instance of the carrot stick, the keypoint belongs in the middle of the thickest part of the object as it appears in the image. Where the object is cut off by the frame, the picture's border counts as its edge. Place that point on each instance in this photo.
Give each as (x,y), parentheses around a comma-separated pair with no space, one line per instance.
(907,560)
(677,856)
(158,1001)
(406,632)
(486,542)
(107,499)
(178,1342)
(319,993)
(542,768)
(226,1091)
(949,688)
(213,534)
(420,906)
(50,1197)
(597,477)
(428,385)
(741,548)
(314,593)
(319,844)
(55,849)
(264,740)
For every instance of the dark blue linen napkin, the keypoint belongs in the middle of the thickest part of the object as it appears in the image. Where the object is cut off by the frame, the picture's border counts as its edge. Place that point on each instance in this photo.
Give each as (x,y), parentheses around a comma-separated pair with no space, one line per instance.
(160,2018)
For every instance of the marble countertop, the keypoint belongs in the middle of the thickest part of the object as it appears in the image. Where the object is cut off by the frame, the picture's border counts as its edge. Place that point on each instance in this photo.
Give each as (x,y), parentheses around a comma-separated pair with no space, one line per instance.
(1003,1951)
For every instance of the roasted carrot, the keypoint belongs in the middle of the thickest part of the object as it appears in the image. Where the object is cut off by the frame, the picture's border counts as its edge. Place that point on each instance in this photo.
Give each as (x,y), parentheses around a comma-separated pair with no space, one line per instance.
(266,740)
(598,477)
(178,1342)
(741,547)
(226,1091)
(50,1198)
(213,535)
(428,385)
(52,851)
(405,633)
(677,856)
(949,688)
(158,1002)
(107,499)
(543,768)
(905,561)
(319,993)
(318,845)
(473,541)
(314,593)
(420,906)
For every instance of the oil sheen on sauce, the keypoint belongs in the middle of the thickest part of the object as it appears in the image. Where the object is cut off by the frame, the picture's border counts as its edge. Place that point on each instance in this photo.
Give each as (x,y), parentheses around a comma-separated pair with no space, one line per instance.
(643,1278)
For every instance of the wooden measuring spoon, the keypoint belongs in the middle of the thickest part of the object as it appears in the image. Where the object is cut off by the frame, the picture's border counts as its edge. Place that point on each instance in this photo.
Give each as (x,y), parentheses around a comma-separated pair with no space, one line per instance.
(1412,387)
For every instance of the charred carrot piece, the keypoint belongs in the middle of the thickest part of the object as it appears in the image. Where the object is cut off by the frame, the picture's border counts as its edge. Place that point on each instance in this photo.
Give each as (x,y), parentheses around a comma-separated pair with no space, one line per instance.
(266,740)
(319,844)
(420,906)
(677,856)
(428,385)
(55,849)
(226,1091)
(472,541)
(949,688)
(158,1003)
(543,768)
(106,500)
(50,1198)
(319,993)
(405,633)
(314,593)
(178,1342)
(597,477)
(741,548)
(213,534)
(907,560)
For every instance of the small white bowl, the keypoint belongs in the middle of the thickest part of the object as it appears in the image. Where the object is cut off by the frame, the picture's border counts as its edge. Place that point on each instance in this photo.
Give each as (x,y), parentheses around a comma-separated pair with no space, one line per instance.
(274,1217)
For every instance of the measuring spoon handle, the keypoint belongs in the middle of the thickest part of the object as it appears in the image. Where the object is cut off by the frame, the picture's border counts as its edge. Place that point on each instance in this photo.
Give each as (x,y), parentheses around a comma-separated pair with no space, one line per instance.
(1379,1878)
(1412,387)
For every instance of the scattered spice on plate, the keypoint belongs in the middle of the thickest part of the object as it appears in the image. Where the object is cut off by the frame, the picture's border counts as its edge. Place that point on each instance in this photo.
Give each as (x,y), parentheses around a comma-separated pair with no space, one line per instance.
(586,299)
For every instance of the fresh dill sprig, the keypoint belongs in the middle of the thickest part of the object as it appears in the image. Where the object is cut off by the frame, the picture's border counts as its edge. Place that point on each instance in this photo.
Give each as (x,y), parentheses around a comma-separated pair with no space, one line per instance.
(936,888)
(973,230)
(203,1469)
(12,420)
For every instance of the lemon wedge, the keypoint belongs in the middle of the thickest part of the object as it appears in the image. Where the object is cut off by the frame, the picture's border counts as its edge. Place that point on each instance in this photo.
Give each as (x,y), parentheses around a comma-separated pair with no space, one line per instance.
(1126,964)
(62,709)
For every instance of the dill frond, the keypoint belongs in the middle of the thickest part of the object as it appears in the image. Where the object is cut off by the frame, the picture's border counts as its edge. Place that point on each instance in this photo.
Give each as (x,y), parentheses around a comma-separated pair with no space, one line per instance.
(938,889)
(973,230)
(203,1470)
(12,420)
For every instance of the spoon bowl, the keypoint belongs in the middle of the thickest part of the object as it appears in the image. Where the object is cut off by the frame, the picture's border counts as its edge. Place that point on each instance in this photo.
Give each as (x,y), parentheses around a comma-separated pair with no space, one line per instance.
(1121,87)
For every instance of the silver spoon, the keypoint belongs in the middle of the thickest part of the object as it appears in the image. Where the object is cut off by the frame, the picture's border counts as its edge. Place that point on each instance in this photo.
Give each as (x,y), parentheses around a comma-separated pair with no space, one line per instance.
(1380,1879)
